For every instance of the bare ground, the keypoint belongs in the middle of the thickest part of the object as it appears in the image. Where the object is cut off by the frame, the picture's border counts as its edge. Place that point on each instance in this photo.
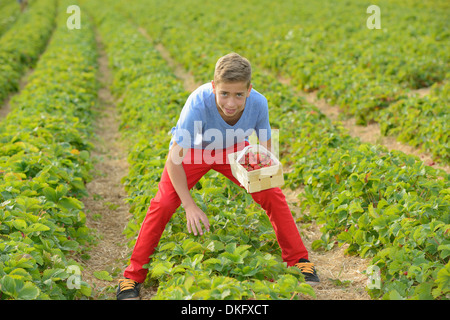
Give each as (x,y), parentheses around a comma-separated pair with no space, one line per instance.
(341,275)
(105,207)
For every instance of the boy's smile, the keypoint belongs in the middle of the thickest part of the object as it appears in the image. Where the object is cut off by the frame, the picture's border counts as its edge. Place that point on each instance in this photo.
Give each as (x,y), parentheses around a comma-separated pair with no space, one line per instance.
(230,99)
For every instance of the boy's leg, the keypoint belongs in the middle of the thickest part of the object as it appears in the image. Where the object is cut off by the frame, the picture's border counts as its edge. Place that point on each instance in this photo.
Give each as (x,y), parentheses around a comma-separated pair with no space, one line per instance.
(161,209)
(274,203)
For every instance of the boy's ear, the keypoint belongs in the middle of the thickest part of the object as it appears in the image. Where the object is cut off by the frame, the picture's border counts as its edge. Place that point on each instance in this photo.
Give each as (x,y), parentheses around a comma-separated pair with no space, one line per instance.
(213,86)
(249,90)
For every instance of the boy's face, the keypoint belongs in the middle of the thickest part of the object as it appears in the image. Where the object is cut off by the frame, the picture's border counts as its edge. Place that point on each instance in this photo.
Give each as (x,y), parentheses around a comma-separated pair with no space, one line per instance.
(230,98)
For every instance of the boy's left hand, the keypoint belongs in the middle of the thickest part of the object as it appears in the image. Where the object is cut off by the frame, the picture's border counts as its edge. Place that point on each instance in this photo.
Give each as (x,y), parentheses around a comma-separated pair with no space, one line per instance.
(193,216)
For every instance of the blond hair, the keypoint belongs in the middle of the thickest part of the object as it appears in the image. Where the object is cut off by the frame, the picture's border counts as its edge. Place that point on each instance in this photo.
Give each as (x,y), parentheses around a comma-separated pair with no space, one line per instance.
(233,68)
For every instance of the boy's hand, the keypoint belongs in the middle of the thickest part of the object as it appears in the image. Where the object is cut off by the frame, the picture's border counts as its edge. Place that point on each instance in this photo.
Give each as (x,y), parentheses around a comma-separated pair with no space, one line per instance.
(193,216)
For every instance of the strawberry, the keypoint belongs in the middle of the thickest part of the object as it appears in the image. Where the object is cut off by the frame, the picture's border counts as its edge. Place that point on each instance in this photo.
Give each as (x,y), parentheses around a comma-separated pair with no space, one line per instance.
(254,161)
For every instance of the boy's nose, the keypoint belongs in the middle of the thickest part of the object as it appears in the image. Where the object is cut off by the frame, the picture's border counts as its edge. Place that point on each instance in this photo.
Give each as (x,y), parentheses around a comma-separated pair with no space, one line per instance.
(231,103)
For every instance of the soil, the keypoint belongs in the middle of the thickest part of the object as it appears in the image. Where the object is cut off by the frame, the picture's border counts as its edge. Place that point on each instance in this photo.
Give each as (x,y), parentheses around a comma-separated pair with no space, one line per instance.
(106,209)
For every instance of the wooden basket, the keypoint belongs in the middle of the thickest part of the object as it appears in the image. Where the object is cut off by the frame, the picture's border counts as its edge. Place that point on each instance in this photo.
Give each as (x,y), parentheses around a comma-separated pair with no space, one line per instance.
(260,179)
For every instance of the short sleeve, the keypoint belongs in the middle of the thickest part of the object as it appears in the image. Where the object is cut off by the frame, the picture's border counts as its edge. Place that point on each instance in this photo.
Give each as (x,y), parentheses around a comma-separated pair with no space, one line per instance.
(263,130)
(188,130)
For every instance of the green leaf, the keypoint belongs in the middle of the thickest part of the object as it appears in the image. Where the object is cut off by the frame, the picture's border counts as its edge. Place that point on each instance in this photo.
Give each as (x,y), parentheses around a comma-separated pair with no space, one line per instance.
(20,273)
(69,245)
(167,246)
(211,261)
(189,282)
(37,227)
(84,154)
(20,224)
(8,285)
(443,281)
(85,289)
(50,194)
(54,274)
(29,291)
(445,250)
(18,288)
(61,191)
(355,206)
(318,244)
(71,203)
(394,295)
(190,246)
(103,275)
(161,268)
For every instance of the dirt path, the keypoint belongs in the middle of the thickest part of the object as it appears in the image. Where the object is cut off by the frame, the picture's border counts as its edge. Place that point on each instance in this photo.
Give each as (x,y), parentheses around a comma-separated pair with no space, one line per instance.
(188,79)
(341,276)
(105,207)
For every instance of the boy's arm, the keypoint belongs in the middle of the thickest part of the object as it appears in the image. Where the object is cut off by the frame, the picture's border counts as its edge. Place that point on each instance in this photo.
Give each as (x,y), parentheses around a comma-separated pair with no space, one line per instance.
(178,178)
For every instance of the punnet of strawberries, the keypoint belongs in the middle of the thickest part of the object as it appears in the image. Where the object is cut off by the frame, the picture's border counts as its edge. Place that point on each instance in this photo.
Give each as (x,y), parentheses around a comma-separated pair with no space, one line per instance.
(254,161)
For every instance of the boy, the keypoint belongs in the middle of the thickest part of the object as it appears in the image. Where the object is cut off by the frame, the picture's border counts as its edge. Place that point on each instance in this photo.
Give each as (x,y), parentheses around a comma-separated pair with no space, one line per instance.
(227,109)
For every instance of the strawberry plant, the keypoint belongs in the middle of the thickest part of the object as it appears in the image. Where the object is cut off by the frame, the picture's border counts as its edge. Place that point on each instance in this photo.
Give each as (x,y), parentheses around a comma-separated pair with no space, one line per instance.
(9,14)
(21,45)
(406,118)
(44,164)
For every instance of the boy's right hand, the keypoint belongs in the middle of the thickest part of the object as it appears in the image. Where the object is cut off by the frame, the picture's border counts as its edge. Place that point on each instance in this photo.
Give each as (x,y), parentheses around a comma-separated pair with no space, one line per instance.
(193,216)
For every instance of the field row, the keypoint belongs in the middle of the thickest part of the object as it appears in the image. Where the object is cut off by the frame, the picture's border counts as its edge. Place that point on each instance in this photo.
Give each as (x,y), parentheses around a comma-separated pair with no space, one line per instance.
(23,42)
(44,163)
(383,203)
(9,12)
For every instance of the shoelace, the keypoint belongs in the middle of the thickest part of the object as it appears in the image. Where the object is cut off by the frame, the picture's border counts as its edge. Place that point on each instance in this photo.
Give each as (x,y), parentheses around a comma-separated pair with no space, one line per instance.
(127,284)
(306,267)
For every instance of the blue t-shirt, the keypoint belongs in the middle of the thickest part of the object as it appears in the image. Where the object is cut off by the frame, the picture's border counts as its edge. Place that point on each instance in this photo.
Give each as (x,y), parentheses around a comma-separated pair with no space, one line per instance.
(200,126)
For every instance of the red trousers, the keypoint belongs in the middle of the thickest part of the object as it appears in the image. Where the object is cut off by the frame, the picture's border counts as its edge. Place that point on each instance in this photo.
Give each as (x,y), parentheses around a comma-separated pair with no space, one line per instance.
(166,202)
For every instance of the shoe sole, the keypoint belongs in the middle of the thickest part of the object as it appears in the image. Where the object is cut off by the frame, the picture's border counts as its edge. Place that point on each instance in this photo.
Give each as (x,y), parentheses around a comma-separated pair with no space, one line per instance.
(137,298)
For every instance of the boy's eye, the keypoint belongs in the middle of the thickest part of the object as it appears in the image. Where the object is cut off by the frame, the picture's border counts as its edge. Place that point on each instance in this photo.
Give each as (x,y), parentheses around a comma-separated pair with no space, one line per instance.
(225,94)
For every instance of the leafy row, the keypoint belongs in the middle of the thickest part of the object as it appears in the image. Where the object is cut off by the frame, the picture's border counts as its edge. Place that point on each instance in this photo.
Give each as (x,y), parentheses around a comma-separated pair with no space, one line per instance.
(239,259)
(357,191)
(406,118)
(44,163)
(22,44)
(8,15)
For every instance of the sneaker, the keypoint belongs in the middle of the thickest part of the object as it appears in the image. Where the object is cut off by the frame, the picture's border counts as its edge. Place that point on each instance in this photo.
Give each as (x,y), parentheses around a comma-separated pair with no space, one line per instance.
(308,270)
(128,289)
